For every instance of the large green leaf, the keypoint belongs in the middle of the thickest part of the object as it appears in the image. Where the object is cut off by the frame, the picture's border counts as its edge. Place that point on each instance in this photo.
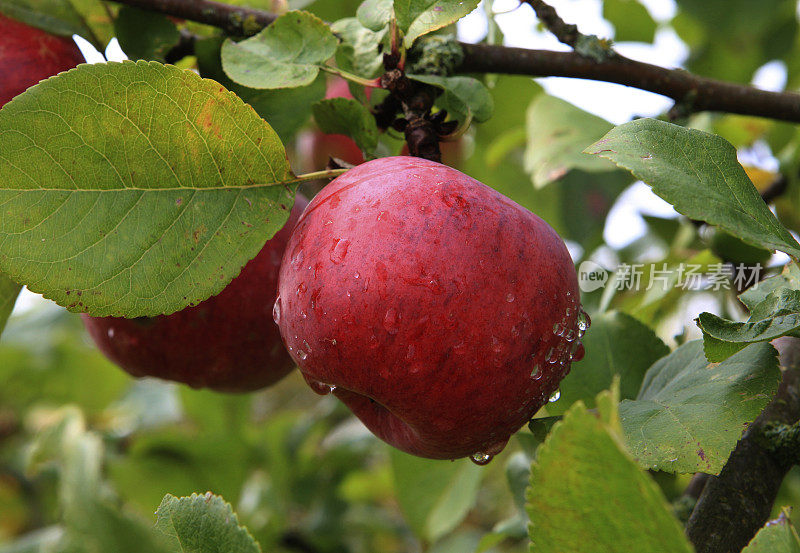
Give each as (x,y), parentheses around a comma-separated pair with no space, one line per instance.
(434,495)
(557,134)
(587,495)
(285,109)
(350,118)
(778,536)
(699,174)
(135,188)
(776,316)
(690,413)
(203,524)
(616,344)
(286,54)
(9,291)
(419,17)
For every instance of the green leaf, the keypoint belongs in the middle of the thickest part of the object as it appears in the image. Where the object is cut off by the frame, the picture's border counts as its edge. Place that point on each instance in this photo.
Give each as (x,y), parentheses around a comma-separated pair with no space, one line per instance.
(87,18)
(462,96)
(135,189)
(699,174)
(789,278)
(778,315)
(632,22)
(203,524)
(9,290)
(161,36)
(616,344)
(587,495)
(420,17)
(375,14)
(285,109)
(358,52)
(350,118)
(434,496)
(286,54)
(92,521)
(690,413)
(777,536)
(557,134)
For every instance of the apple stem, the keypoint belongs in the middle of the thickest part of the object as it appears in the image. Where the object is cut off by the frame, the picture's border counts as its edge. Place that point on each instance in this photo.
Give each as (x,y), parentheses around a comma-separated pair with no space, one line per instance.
(372,83)
(317,175)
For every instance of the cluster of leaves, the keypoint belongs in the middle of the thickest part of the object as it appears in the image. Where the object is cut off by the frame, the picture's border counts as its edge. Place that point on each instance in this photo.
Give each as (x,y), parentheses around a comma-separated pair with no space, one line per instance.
(139,188)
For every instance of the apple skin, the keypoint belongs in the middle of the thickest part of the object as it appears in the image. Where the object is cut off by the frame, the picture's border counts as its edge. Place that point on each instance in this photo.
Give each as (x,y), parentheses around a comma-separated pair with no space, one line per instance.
(228,343)
(443,314)
(28,55)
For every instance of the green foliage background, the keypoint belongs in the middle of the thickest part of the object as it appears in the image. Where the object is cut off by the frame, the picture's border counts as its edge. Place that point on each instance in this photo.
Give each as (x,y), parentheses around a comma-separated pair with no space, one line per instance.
(87,454)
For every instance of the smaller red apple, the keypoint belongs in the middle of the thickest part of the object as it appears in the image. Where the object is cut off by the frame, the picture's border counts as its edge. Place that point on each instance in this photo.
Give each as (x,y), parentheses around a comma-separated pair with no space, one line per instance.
(315,147)
(28,55)
(228,343)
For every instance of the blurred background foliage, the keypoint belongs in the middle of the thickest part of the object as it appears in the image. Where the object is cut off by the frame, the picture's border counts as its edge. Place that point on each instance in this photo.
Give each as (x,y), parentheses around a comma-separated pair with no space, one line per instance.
(302,474)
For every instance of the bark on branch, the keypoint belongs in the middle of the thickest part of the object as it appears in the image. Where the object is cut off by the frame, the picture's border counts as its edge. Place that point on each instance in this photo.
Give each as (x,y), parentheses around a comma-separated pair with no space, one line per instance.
(737,503)
(698,93)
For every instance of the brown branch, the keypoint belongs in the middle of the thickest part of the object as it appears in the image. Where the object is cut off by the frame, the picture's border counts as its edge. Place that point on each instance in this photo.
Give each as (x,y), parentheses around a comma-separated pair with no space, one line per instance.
(234,20)
(703,94)
(682,86)
(737,503)
(566,33)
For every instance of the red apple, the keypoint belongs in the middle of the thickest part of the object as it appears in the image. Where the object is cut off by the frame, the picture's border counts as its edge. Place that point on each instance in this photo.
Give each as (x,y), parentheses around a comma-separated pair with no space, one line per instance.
(315,147)
(28,55)
(228,343)
(441,312)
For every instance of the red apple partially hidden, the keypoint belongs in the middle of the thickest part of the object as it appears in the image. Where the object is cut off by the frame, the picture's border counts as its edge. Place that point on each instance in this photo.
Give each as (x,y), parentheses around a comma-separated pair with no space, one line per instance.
(28,55)
(441,312)
(314,148)
(228,343)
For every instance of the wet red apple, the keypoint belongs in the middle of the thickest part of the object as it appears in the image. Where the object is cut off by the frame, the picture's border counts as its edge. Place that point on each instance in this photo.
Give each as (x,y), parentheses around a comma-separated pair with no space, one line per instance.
(28,55)
(441,312)
(228,343)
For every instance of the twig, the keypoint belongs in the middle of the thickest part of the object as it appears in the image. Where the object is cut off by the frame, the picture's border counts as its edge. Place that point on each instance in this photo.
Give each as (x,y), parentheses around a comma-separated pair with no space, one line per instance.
(737,503)
(564,32)
(233,20)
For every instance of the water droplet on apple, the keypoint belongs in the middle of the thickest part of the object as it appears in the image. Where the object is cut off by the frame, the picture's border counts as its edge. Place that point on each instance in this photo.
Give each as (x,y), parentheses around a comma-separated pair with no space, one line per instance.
(536,373)
(552,355)
(390,320)
(584,322)
(339,250)
(301,288)
(321,388)
(276,310)
(510,297)
(302,355)
(481,458)
(497,346)
(555,396)
(110,333)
